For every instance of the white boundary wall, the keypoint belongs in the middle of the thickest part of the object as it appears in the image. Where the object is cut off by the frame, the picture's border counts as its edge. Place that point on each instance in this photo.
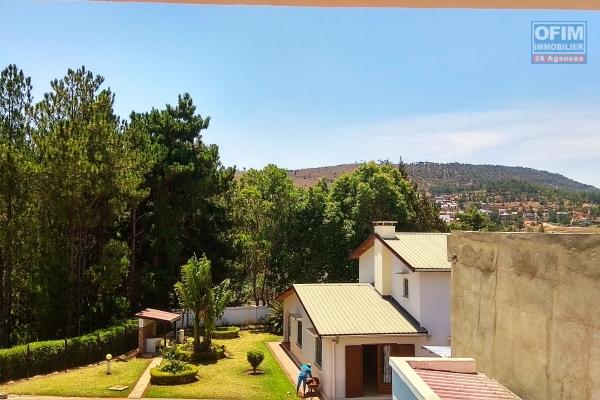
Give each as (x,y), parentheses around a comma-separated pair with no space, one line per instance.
(243,315)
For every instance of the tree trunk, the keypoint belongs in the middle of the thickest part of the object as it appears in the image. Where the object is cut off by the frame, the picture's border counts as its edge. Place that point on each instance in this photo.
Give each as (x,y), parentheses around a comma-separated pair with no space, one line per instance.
(264,285)
(81,266)
(7,281)
(208,329)
(132,287)
(2,268)
(196,331)
(254,290)
(70,276)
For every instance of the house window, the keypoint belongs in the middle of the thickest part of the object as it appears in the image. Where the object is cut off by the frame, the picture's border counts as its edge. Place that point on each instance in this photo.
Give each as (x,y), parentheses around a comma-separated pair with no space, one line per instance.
(318,350)
(299,333)
(405,288)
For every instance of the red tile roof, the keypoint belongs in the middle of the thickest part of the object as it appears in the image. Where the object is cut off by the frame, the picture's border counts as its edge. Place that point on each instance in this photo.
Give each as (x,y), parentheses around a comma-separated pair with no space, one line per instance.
(158,315)
(463,386)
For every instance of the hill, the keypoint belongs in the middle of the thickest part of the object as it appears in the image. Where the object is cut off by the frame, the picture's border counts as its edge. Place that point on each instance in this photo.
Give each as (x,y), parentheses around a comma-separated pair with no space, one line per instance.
(456,177)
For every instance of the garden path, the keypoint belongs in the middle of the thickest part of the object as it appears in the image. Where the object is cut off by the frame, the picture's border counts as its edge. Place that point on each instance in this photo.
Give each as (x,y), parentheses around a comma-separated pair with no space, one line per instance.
(142,384)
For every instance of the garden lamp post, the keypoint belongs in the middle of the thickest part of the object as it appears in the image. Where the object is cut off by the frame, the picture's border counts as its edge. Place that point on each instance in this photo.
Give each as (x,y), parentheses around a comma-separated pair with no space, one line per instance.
(108,358)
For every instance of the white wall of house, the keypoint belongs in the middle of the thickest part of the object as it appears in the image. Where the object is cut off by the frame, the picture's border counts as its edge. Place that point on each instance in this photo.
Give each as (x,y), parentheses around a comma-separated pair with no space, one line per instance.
(435,306)
(382,268)
(307,353)
(428,298)
(377,265)
(339,350)
(412,303)
(366,273)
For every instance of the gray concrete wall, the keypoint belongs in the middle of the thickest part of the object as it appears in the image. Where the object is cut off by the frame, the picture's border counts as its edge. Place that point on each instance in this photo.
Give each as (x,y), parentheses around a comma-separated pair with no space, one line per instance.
(526,306)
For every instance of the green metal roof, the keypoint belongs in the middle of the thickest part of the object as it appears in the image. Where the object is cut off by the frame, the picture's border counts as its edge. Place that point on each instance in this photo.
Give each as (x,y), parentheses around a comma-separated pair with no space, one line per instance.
(338,309)
(422,251)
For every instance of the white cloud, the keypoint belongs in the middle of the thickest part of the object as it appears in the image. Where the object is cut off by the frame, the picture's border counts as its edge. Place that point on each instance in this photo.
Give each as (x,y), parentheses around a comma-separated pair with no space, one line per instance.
(563,139)
(519,136)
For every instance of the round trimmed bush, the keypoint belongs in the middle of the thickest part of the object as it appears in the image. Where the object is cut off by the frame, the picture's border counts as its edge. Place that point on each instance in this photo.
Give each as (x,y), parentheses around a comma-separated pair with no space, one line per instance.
(226,332)
(255,357)
(160,377)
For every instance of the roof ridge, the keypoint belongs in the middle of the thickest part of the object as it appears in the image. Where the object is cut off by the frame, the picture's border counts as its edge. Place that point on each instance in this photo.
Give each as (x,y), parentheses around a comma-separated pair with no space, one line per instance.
(422,233)
(334,284)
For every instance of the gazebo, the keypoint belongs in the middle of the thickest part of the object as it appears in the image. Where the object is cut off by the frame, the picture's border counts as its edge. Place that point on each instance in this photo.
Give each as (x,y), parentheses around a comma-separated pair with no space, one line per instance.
(148,341)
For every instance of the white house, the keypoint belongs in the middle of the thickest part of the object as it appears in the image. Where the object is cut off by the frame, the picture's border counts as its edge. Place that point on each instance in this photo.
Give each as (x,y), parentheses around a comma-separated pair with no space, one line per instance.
(349,330)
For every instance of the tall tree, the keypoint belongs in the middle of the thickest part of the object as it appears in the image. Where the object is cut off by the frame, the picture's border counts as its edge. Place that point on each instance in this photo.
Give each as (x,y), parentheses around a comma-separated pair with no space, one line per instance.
(185,212)
(372,192)
(85,183)
(263,207)
(142,155)
(16,167)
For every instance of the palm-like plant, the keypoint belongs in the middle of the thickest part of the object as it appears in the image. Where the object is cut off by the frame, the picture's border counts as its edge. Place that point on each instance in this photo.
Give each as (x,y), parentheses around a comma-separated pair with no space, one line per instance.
(221,295)
(195,292)
(275,318)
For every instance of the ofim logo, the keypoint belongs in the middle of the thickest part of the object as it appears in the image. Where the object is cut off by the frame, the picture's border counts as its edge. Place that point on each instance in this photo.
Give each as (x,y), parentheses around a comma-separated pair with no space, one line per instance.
(559,42)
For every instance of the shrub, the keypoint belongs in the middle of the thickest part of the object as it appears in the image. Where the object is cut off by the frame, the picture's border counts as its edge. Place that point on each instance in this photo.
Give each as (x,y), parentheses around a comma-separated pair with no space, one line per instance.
(183,354)
(226,332)
(169,353)
(158,376)
(216,353)
(54,355)
(172,363)
(174,366)
(255,357)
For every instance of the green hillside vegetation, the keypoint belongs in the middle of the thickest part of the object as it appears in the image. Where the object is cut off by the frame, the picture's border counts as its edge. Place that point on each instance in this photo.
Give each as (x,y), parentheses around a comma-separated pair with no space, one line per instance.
(520,190)
(453,177)
(512,183)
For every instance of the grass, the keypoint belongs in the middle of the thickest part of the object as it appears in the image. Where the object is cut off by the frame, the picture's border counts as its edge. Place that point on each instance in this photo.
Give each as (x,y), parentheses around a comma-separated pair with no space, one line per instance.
(89,381)
(229,379)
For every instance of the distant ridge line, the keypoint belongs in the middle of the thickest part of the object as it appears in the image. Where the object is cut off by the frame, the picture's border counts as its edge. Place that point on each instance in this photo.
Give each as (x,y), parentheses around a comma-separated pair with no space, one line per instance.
(437,176)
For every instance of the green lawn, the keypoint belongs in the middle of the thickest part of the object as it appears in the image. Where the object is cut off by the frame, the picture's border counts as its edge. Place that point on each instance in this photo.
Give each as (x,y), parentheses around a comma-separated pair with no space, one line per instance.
(87,381)
(228,379)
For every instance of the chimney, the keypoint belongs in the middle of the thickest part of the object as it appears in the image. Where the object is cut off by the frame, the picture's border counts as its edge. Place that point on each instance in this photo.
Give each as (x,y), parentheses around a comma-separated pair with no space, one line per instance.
(385,229)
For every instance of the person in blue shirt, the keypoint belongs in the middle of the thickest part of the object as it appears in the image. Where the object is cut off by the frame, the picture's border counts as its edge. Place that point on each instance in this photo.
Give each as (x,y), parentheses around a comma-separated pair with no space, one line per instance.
(305,372)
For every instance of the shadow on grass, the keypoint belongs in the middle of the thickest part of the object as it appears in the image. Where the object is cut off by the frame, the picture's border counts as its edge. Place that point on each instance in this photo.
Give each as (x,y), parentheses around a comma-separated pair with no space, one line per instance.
(205,362)
(256,329)
(191,381)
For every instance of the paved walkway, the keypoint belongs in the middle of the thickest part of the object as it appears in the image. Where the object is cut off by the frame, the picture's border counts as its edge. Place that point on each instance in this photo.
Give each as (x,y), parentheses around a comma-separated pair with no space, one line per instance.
(32,397)
(289,364)
(142,384)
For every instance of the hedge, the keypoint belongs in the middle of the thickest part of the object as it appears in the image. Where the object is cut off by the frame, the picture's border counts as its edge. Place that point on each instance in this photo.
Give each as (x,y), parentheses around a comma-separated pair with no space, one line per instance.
(54,355)
(212,356)
(158,377)
(226,332)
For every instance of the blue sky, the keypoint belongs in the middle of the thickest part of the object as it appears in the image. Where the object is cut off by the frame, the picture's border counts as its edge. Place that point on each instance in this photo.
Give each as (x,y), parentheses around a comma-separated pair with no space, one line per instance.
(303,87)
